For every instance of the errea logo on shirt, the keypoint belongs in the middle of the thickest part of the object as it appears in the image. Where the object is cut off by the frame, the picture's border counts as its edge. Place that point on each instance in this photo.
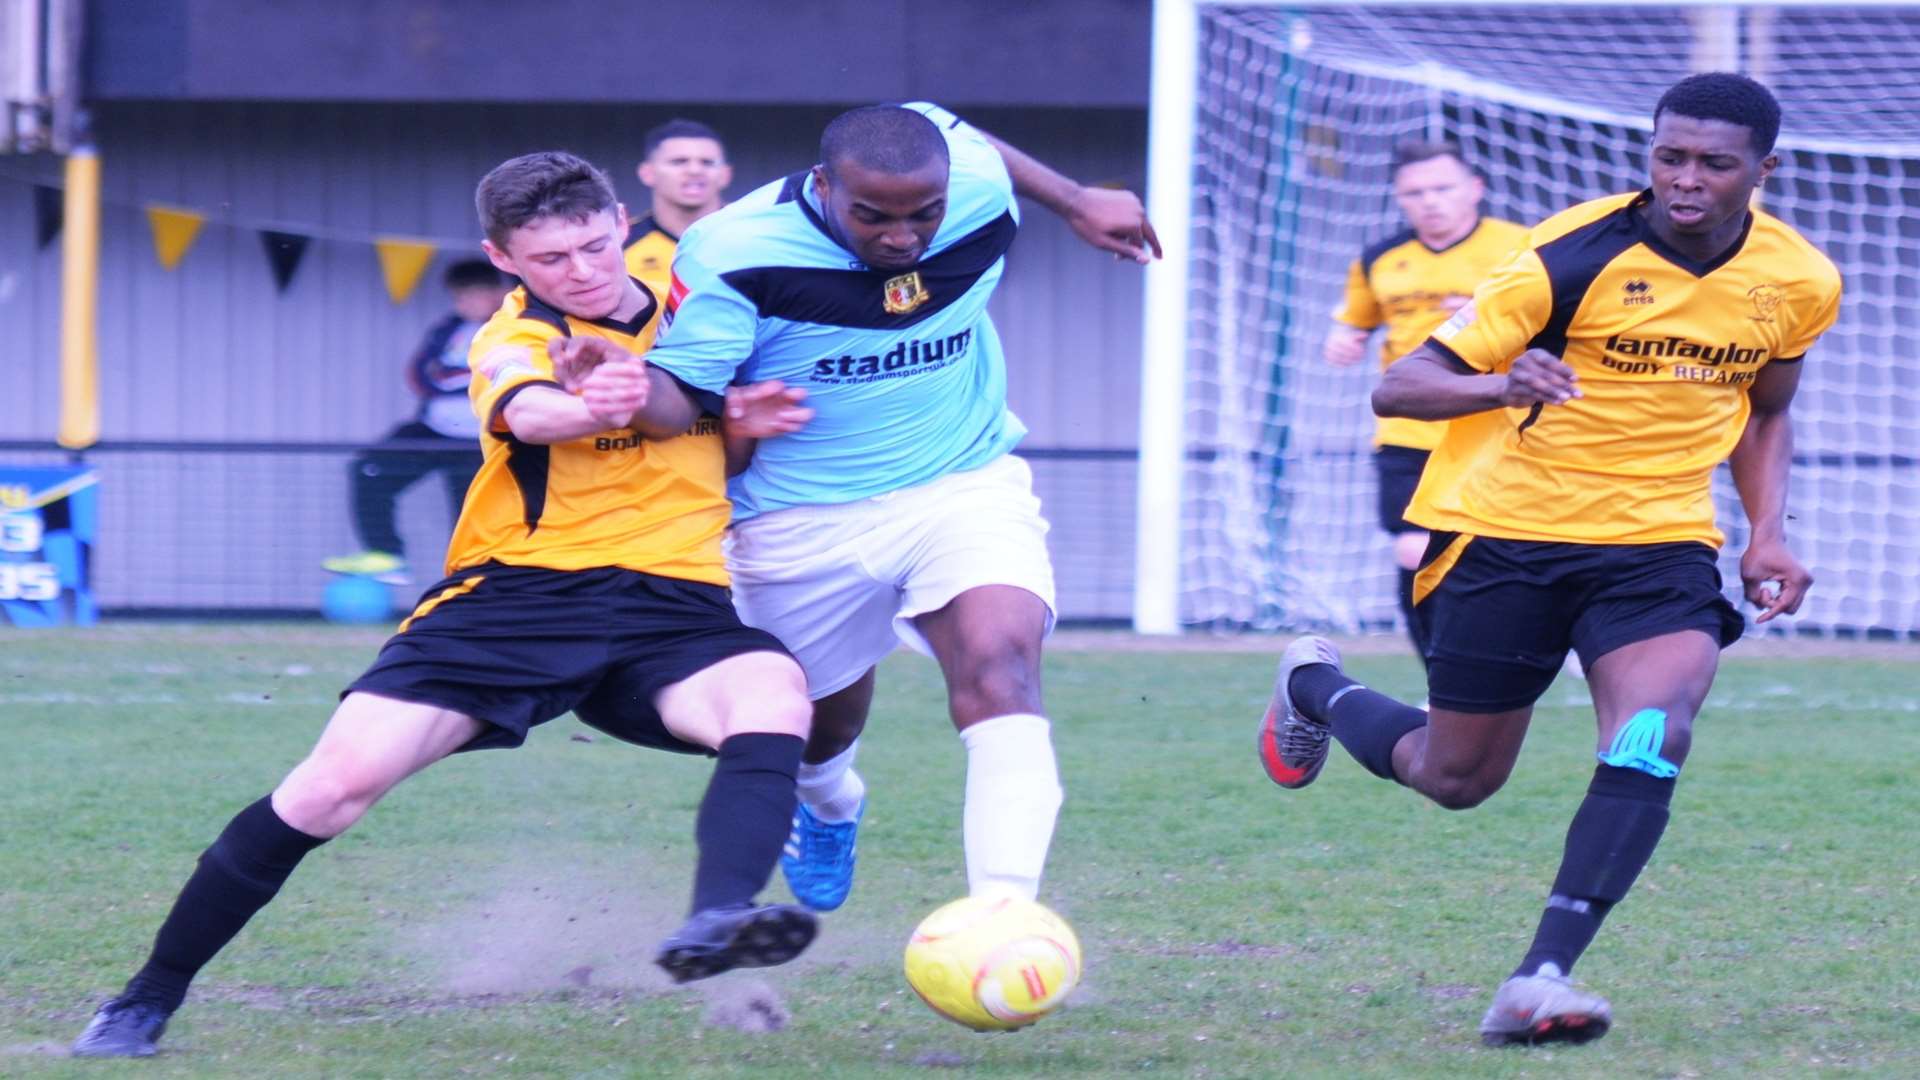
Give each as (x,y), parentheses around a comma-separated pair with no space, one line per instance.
(1637,293)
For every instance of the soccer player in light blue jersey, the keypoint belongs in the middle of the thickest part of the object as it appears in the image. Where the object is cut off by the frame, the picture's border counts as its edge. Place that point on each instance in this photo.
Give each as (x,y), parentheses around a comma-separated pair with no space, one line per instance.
(887,506)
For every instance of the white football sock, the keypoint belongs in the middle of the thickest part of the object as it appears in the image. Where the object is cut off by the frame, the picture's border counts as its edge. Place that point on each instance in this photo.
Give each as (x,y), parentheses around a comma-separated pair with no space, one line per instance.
(831,789)
(1013,796)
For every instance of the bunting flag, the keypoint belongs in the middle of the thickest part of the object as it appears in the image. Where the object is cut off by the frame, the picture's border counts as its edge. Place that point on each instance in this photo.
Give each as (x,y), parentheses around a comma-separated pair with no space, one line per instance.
(49,213)
(402,261)
(173,232)
(284,252)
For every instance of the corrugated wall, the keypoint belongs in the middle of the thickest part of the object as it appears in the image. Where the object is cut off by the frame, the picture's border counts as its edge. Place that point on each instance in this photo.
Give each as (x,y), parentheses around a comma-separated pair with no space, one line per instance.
(210,352)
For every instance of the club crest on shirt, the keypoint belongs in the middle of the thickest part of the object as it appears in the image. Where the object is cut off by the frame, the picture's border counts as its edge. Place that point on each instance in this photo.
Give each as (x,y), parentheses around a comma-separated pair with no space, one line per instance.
(905,293)
(1766,298)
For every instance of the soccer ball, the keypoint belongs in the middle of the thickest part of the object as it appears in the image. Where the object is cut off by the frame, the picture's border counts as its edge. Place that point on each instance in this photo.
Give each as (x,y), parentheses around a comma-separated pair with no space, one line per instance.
(993,963)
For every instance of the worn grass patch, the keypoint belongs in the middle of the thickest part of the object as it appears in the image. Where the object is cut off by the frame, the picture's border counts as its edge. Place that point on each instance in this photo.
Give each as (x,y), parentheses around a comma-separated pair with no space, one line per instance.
(495,916)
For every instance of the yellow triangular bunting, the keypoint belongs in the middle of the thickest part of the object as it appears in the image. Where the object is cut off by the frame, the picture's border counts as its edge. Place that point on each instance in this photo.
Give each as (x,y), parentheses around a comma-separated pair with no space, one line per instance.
(402,261)
(173,232)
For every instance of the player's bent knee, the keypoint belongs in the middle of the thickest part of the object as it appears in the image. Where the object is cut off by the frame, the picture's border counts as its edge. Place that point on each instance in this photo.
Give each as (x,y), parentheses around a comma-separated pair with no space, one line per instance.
(1460,796)
(770,714)
(1652,742)
(752,693)
(1007,680)
(1458,791)
(324,796)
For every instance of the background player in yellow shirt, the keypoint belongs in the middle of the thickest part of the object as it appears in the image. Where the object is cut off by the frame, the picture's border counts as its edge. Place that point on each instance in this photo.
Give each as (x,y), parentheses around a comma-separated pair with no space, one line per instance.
(585,573)
(685,168)
(1598,378)
(1410,283)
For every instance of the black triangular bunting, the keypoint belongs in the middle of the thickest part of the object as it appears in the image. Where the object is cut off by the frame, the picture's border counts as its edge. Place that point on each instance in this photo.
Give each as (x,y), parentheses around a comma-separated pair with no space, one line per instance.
(49,213)
(284,251)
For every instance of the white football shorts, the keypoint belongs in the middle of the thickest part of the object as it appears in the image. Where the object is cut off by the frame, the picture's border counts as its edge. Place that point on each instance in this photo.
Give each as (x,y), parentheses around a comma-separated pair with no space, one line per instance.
(840,585)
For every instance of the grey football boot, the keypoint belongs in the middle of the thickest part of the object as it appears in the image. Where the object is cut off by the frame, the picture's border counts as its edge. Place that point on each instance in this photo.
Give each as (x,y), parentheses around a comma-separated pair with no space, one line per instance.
(1293,747)
(1544,1008)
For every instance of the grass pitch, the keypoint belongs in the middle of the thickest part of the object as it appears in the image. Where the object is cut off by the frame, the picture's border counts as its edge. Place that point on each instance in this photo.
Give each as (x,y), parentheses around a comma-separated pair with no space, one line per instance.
(495,915)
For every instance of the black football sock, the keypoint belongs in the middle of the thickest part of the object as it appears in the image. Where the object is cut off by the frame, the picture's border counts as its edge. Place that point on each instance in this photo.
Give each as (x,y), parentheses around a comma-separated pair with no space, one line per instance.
(1612,836)
(1416,621)
(744,819)
(236,877)
(1368,723)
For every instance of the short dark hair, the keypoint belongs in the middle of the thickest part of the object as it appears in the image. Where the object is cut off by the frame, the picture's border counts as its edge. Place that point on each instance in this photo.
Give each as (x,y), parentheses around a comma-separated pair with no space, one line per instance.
(885,138)
(1414,151)
(1723,95)
(551,183)
(473,274)
(678,128)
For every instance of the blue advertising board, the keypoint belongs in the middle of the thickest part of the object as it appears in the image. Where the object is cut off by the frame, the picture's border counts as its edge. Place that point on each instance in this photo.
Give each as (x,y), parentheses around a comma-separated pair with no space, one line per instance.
(49,517)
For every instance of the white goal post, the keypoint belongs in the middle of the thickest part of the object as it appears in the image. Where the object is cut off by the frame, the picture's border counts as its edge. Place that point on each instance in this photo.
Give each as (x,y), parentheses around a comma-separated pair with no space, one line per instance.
(1270,133)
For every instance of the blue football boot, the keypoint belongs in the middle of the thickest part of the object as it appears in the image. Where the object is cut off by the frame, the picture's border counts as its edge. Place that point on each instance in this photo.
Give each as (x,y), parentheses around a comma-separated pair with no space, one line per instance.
(818,859)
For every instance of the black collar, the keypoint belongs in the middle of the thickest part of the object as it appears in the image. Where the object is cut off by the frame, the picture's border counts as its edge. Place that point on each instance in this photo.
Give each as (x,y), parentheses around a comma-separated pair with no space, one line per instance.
(1691,265)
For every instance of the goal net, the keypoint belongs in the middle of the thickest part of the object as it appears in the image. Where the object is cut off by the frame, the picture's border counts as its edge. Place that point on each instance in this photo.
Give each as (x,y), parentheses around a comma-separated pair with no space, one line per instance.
(1295,111)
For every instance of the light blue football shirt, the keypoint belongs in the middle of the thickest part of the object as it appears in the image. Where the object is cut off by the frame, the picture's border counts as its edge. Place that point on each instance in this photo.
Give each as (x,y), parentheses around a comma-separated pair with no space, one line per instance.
(906,376)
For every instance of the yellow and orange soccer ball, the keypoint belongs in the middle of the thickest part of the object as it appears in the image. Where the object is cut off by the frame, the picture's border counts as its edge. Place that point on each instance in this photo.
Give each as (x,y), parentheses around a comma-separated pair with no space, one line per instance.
(993,963)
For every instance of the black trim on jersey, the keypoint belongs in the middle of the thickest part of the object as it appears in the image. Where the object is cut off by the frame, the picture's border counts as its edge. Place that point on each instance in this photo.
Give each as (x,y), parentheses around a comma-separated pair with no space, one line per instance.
(1375,252)
(499,413)
(856,298)
(1674,255)
(790,190)
(794,191)
(528,463)
(1572,261)
(638,230)
(1452,357)
(541,311)
(1464,237)
(639,321)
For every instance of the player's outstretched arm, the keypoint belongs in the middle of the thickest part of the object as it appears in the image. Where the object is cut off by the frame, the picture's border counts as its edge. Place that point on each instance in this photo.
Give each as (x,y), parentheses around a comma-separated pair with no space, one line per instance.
(1427,384)
(1109,219)
(1774,581)
(602,388)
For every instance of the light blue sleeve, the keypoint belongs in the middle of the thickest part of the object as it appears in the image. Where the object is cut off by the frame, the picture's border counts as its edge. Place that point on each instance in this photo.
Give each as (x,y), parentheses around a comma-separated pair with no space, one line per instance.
(707,331)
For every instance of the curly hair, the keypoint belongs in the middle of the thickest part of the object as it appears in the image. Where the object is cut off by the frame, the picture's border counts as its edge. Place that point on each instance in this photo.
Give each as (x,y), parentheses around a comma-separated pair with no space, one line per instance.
(1723,95)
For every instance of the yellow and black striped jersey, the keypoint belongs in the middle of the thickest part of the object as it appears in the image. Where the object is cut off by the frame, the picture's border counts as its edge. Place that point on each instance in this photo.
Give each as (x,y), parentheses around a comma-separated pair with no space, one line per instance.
(1405,285)
(649,253)
(613,499)
(1665,348)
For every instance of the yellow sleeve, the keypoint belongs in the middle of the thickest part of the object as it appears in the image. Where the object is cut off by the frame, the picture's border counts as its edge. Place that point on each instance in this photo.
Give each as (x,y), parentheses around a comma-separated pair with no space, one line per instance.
(1507,311)
(507,354)
(1815,319)
(1360,309)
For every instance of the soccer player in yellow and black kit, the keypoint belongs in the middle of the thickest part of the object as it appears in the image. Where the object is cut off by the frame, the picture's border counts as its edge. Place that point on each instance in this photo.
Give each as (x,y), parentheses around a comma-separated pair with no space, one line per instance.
(585,573)
(685,167)
(1410,283)
(1597,378)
